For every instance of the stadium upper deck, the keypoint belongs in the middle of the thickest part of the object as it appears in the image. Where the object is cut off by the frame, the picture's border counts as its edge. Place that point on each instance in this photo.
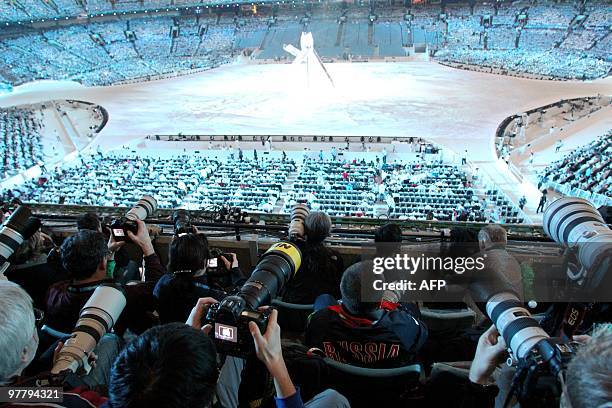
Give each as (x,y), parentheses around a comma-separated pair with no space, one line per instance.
(145,40)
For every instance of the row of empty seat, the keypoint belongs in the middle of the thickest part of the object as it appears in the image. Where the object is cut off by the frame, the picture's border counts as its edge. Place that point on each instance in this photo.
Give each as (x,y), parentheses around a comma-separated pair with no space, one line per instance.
(433,191)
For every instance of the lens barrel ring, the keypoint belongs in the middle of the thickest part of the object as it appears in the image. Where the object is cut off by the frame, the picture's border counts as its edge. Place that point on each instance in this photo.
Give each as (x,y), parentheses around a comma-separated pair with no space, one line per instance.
(504,306)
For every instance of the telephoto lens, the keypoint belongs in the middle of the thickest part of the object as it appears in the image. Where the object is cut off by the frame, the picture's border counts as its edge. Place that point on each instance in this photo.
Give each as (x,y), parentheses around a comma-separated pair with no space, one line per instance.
(146,206)
(576,224)
(97,318)
(272,272)
(299,212)
(19,227)
(182,222)
(520,330)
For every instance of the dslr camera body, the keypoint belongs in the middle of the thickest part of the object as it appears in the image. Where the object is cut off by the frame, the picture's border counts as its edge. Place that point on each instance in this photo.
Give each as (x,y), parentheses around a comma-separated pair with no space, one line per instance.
(119,227)
(230,318)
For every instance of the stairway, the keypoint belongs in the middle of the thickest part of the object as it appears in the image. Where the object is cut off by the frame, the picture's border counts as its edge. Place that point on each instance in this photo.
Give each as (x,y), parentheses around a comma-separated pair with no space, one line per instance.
(339,33)
(287,185)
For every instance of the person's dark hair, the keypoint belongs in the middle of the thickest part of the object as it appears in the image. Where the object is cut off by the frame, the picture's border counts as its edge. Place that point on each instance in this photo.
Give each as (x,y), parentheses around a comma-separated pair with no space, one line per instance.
(82,253)
(188,252)
(88,221)
(353,279)
(463,242)
(388,239)
(317,226)
(171,366)
(388,233)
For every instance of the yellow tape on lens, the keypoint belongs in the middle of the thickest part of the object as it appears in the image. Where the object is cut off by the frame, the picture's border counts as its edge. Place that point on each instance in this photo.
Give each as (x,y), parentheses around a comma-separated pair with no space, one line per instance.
(290,250)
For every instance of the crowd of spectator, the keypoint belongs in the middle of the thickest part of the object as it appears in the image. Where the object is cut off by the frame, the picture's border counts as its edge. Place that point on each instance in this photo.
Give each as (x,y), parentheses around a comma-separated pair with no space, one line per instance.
(357,188)
(102,53)
(549,41)
(588,168)
(20,144)
(416,191)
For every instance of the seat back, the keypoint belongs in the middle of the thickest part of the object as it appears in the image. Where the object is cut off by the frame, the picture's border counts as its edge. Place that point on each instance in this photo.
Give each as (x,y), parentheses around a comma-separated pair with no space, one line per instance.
(370,387)
(292,317)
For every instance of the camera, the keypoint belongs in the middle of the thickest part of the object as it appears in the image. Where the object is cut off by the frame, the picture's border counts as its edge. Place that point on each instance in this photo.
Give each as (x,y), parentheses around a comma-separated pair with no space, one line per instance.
(182,222)
(230,318)
(216,272)
(542,359)
(543,355)
(146,206)
(299,212)
(97,318)
(19,227)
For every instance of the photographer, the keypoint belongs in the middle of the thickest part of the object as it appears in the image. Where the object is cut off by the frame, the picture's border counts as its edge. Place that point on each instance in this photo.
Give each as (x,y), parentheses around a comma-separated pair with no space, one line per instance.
(85,256)
(498,263)
(174,365)
(322,267)
(33,270)
(19,343)
(89,221)
(187,280)
(119,267)
(396,333)
(388,242)
(586,378)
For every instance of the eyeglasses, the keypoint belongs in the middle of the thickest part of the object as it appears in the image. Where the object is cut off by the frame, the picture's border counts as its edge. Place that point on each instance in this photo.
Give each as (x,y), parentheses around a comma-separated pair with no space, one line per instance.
(39,317)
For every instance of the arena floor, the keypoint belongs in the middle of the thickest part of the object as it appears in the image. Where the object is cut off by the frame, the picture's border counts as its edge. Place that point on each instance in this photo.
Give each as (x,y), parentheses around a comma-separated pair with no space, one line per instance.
(455,108)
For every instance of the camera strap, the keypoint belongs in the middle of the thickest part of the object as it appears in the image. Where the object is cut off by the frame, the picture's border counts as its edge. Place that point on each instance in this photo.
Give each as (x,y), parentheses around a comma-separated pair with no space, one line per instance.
(88,288)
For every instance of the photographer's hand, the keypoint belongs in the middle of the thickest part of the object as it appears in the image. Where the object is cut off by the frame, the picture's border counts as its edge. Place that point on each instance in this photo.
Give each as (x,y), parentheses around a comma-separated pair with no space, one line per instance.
(92,357)
(113,245)
(142,238)
(269,351)
(491,349)
(198,312)
(226,262)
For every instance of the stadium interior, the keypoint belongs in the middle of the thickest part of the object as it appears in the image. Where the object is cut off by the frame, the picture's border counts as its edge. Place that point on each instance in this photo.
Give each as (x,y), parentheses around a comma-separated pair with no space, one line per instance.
(239,167)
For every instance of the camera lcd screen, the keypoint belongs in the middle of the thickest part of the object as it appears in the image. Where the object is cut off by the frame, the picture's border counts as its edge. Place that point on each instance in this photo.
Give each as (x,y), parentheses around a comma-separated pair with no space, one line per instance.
(118,232)
(212,263)
(227,333)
